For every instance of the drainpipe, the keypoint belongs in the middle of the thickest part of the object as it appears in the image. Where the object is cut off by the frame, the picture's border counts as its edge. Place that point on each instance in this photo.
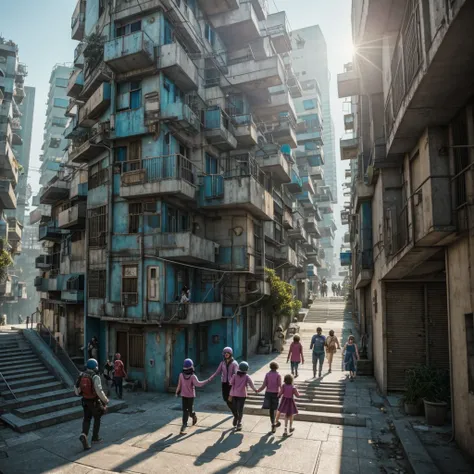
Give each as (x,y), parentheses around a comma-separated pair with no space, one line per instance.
(86,289)
(142,258)
(450,340)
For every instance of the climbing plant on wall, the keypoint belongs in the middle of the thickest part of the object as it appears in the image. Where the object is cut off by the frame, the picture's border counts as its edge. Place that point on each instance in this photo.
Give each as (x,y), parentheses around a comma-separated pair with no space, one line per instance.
(281,299)
(5,262)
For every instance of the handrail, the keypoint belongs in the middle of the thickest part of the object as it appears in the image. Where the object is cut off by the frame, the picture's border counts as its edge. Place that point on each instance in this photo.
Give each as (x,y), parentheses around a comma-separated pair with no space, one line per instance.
(59,351)
(8,386)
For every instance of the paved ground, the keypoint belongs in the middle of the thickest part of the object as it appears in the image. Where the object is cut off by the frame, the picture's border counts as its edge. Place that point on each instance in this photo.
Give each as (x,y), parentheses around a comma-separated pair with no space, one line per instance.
(145,437)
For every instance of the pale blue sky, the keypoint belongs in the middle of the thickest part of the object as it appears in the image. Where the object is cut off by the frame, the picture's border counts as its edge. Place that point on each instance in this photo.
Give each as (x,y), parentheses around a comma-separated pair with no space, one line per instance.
(42,31)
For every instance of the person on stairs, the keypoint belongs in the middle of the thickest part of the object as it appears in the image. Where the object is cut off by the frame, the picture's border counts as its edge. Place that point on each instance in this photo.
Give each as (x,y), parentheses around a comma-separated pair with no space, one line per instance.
(227,368)
(287,404)
(272,383)
(318,343)
(238,393)
(332,344)
(94,401)
(295,355)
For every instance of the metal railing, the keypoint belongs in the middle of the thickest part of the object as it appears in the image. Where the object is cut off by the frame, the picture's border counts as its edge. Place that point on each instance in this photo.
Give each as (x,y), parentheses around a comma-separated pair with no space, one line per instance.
(159,168)
(8,386)
(60,353)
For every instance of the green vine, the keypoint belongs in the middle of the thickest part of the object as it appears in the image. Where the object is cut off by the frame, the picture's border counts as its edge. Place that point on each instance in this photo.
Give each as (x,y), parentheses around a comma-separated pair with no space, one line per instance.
(281,299)
(94,50)
(5,262)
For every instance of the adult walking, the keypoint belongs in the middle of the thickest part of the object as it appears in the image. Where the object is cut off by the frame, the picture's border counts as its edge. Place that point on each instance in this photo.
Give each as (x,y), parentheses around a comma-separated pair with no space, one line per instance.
(332,344)
(227,368)
(94,402)
(318,343)
(119,375)
(351,356)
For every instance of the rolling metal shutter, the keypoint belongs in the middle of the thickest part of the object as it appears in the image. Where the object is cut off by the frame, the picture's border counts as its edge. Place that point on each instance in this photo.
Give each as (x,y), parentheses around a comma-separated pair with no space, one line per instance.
(405,331)
(438,335)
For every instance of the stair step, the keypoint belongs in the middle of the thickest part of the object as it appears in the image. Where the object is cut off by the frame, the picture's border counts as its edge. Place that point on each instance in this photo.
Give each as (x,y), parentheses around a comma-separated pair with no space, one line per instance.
(23,369)
(40,388)
(24,425)
(316,417)
(17,361)
(48,407)
(28,382)
(307,406)
(38,372)
(16,358)
(14,352)
(37,398)
(320,399)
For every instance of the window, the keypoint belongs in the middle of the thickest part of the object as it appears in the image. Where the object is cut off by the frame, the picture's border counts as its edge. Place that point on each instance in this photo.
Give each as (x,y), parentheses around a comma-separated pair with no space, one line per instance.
(61,103)
(129,95)
(128,29)
(101,7)
(97,226)
(168,33)
(154,283)
(134,212)
(98,175)
(309,104)
(61,82)
(130,152)
(136,351)
(129,285)
(54,142)
(178,221)
(258,242)
(210,35)
(59,121)
(96,283)
(211,164)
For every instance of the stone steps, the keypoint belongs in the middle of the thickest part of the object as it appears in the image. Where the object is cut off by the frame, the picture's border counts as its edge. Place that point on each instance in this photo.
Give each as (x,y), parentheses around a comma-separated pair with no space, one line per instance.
(23,369)
(37,399)
(32,389)
(28,382)
(309,406)
(12,363)
(14,352)
(37,372)
(329,399)
(23,425)
(48,407)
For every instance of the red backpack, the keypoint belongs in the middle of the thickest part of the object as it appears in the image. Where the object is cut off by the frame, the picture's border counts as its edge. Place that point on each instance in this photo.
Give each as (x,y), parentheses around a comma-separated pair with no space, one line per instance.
(87,387)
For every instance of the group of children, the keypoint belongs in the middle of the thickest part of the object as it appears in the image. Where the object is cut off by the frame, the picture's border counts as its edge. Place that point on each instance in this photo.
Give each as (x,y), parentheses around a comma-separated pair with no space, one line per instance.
(235,381)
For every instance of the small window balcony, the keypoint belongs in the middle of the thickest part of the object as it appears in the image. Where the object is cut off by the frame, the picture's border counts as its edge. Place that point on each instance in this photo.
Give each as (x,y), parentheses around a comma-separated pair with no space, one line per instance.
(349,148)
(56,190)
(78,21)
(181,117)
(14,230)
(43,262)
(73,218)
(130,52)
(75,83)
(7,195)
(97,104)
(348,82)
(178,66)
(49,232)
(219,130)
(8,163)
(271,160)
(192,313)
(245,130)
(277,26)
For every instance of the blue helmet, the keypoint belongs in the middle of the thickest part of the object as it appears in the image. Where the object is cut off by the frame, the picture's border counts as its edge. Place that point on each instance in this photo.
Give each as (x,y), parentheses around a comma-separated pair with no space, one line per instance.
(188,364)
(92,364)
(243,366)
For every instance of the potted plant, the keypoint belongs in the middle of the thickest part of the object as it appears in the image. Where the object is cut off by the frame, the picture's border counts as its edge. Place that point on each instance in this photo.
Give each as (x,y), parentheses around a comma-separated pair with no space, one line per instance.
(437,396)
(413,396)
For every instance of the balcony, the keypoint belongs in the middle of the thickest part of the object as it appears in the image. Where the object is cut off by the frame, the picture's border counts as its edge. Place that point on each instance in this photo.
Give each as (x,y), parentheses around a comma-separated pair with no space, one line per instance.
(159,176)
(74,217)
(287,218)
(314,156)
(73,296)
(38,214)
(6,288)
(192,313)
(56,190)
(287,255)
(278,28)
(349,148)
(78,21)
(88,150)
(75,83)
(363,192)
(43,262)
(296,184)
(181,117)
(97,104)
(282,131)
(349,122)
(14,230)
(348,83)
(364,268)
(255,75)
(311,225)
(306,199)
(130,52)
(345,217)
(307,133)
(346,258)
(237,27)
(177,65)
(313,258)
(214,7)
(245,130)
(7,195)
(280,104)
(8,163)
(271,160)
(46,284)
(219,130)
(94,76)
(239,192)
(298,234)
(183,247)
(49,231)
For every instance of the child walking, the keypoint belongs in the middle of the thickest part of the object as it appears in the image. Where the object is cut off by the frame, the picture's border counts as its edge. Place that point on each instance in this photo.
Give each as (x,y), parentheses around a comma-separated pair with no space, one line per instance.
(186,388)
(295,354)
(238,393)
(351,356)
(287,404)
(272,382)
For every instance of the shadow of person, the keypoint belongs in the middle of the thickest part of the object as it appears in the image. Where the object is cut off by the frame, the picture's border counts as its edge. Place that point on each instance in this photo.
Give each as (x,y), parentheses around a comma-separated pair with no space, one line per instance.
(222,445)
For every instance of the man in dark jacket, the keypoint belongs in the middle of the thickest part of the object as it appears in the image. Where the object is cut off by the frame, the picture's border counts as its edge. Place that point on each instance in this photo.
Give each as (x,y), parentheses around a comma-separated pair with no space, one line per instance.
(94,401)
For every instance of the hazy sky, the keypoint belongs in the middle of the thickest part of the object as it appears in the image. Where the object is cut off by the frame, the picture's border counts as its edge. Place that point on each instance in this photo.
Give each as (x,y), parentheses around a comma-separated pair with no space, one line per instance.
(42,31)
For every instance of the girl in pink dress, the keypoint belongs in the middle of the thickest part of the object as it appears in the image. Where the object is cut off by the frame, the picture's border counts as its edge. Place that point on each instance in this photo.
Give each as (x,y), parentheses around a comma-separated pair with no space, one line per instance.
(295,355)
(287,404)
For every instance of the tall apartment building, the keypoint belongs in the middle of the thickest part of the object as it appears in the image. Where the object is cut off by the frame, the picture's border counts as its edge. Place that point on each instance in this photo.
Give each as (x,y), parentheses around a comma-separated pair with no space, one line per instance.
(412,215)
(184,121)
(61,230)
(12,184)
(310,62)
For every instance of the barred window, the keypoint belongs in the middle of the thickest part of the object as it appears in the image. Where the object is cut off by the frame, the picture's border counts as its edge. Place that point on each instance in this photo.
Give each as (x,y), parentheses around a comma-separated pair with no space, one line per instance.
(135,210)
(136,351)
(98,175)
(97,226)
(96,283)
(130,285)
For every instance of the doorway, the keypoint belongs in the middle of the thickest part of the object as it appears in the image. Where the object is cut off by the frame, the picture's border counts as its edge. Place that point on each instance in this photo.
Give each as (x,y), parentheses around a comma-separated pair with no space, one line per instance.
(202,346)
(122,347)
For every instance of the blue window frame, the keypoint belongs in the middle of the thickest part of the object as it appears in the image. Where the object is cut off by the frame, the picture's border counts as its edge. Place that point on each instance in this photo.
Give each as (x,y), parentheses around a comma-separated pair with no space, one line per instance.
(309,104)
(211,164)
(210,34)
(129,95)
(168,33)
(128,29)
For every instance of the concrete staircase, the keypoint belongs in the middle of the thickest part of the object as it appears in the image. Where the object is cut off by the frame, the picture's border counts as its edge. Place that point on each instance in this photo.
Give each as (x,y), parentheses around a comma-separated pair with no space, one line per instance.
(39,397)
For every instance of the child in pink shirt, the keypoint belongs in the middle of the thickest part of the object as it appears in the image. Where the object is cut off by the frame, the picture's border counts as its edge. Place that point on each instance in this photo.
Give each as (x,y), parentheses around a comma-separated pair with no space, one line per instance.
(295,355)
(287,404)
(272,382)
(238,393)
(187,382)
